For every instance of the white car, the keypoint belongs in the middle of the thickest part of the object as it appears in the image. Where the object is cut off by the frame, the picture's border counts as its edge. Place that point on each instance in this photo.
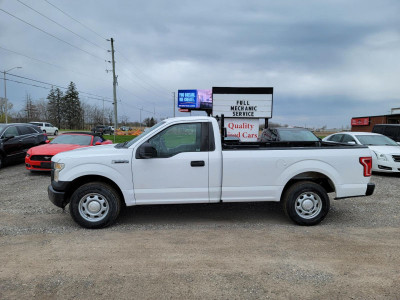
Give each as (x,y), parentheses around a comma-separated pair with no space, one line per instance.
(386,156)
(47,128)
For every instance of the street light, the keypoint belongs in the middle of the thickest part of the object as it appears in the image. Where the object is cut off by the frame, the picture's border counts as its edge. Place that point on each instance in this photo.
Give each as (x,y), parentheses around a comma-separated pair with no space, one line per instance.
(5,90)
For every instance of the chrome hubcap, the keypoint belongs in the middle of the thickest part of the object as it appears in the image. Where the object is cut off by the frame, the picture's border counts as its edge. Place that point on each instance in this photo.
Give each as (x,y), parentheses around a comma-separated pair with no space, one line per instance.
(93,207)
(308,205)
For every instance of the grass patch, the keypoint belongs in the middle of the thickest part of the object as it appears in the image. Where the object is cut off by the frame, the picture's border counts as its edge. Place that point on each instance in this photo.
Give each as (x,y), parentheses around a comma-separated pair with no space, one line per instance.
(119,138)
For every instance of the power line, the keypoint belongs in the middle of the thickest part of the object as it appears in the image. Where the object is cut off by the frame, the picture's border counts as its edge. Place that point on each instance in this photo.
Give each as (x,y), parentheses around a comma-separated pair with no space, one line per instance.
(61,25)
(58,86)
(75,20)
(50,64)
(57,38)
(48,88)
(161,88)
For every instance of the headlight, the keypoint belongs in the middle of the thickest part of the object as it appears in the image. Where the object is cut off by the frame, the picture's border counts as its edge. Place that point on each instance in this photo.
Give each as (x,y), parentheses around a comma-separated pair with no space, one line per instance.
(380,156)
(57,168)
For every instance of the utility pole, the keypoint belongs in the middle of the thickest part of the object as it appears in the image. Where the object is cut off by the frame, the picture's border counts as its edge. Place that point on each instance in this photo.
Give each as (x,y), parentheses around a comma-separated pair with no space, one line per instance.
(141,118)
(114,86)
(173,103)
(103,113)
(5,90)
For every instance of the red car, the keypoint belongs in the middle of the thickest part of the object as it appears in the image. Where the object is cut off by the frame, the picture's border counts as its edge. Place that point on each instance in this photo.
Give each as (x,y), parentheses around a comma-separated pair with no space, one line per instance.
(39,158)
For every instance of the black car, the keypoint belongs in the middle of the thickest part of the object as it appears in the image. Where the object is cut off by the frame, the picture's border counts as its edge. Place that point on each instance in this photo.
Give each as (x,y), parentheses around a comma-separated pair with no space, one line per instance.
(16,139)
(103,129)
(286,134)
(390,130)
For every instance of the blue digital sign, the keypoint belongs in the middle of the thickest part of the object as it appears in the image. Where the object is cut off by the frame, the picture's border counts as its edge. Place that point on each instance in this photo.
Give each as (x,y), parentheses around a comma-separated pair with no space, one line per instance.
(187,99)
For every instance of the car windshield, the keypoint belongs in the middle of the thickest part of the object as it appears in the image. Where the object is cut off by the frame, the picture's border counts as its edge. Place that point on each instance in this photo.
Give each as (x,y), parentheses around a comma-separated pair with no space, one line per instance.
(131,142)
(376,140)
(297,135)
(74,139)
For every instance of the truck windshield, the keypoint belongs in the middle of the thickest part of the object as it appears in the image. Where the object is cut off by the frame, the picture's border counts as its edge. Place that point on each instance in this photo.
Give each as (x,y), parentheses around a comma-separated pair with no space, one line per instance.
(377,140)
(145,132)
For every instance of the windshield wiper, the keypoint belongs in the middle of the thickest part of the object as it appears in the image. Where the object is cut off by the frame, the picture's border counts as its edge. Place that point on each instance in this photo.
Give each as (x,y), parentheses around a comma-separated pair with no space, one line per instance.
(121,145)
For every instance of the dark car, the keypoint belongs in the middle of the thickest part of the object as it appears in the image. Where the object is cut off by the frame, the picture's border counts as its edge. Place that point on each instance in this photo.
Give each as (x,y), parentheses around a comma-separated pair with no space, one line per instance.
(16,139)
(103,129)
(286,134)
(390,130)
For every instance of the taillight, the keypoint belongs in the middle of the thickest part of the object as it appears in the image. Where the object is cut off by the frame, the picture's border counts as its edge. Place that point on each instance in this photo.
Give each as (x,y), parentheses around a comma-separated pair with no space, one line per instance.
(367,164)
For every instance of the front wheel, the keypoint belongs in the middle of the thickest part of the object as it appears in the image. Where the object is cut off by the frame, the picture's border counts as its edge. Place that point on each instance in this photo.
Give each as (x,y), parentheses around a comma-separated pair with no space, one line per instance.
(95,205)
(56,132)
(306,203)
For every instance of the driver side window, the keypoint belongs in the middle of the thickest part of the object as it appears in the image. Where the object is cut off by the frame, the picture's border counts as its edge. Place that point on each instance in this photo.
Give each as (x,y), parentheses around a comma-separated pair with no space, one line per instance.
(11,131)
(177,139)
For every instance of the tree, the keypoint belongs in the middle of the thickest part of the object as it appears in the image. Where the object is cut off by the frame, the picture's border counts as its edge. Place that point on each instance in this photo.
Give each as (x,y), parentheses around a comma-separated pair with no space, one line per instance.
(149,122)
(54,106)
(30,109)
(71,107)
(3,109)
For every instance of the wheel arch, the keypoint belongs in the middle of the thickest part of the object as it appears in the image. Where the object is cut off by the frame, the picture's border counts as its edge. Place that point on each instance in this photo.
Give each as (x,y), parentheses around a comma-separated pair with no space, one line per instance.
(79,181)
(316,177)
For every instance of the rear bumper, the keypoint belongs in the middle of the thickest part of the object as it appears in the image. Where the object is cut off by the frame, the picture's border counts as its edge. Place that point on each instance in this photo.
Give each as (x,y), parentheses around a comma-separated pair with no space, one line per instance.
(370,189)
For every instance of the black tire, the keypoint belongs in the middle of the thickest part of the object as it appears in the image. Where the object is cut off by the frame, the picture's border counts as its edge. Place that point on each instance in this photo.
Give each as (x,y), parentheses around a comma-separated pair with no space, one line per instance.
(95,205)
(1,161)
(306,203)
(44,131)
(56,132)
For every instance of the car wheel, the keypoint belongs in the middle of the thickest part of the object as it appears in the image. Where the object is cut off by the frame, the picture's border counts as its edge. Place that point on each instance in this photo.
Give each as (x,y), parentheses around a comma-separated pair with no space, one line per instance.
(1,162)
(56,132)
(306,203)
(44,131)
(95,205)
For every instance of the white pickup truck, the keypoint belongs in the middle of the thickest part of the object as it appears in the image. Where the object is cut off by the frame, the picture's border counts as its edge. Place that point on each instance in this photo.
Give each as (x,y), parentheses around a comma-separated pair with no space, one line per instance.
(184,160)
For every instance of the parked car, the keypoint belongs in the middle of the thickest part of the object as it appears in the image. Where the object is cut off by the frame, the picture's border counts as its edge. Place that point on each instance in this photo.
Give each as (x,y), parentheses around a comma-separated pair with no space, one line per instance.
(39,158)
(386,156)
(103,129)
(47,128)
(288,135)
(390,130)
(16,139)
(125,128)
(183,160)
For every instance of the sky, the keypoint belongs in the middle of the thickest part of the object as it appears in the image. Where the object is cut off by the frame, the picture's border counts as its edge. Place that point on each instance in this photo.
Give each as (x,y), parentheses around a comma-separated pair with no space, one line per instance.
(328,61)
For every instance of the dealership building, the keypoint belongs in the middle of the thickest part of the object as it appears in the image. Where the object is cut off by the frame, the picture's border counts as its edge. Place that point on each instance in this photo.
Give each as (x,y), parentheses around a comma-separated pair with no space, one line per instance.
(366,124)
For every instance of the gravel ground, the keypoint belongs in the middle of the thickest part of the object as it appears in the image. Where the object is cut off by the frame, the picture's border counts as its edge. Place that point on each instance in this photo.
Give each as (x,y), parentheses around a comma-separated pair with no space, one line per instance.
(229,251)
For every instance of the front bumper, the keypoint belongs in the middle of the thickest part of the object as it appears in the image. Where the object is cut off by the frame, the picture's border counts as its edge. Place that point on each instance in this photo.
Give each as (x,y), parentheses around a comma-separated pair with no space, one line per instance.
(58,198)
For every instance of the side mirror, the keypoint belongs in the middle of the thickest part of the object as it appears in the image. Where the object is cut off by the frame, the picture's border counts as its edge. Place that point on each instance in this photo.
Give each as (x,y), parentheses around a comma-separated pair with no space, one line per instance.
(9,136)
(47,141)
(398,143)
(351,143)
(97,143)
(147,151)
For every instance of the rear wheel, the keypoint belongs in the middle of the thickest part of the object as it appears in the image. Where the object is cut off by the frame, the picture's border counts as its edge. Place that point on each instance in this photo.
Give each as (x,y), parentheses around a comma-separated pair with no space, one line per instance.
(306,203)
(56,132)
(95,205)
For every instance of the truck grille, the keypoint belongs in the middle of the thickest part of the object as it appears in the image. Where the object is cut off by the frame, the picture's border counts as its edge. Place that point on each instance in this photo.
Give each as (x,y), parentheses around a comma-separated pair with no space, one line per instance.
(41,157)
(396,158)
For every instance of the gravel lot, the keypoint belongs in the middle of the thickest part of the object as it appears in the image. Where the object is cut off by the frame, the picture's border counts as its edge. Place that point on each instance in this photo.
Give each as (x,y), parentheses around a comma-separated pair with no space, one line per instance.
(230,251)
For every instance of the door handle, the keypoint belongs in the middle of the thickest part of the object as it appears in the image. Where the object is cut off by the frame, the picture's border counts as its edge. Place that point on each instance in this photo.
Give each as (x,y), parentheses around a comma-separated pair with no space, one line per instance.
(197,163)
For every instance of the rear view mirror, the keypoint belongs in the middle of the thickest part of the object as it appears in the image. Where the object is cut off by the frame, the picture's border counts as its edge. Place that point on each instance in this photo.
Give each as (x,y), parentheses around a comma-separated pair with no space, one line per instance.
(47,141)
(351,143)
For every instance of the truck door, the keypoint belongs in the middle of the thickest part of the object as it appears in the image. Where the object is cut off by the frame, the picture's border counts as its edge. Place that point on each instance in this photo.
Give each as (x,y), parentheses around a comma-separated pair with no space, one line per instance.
(179,171)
